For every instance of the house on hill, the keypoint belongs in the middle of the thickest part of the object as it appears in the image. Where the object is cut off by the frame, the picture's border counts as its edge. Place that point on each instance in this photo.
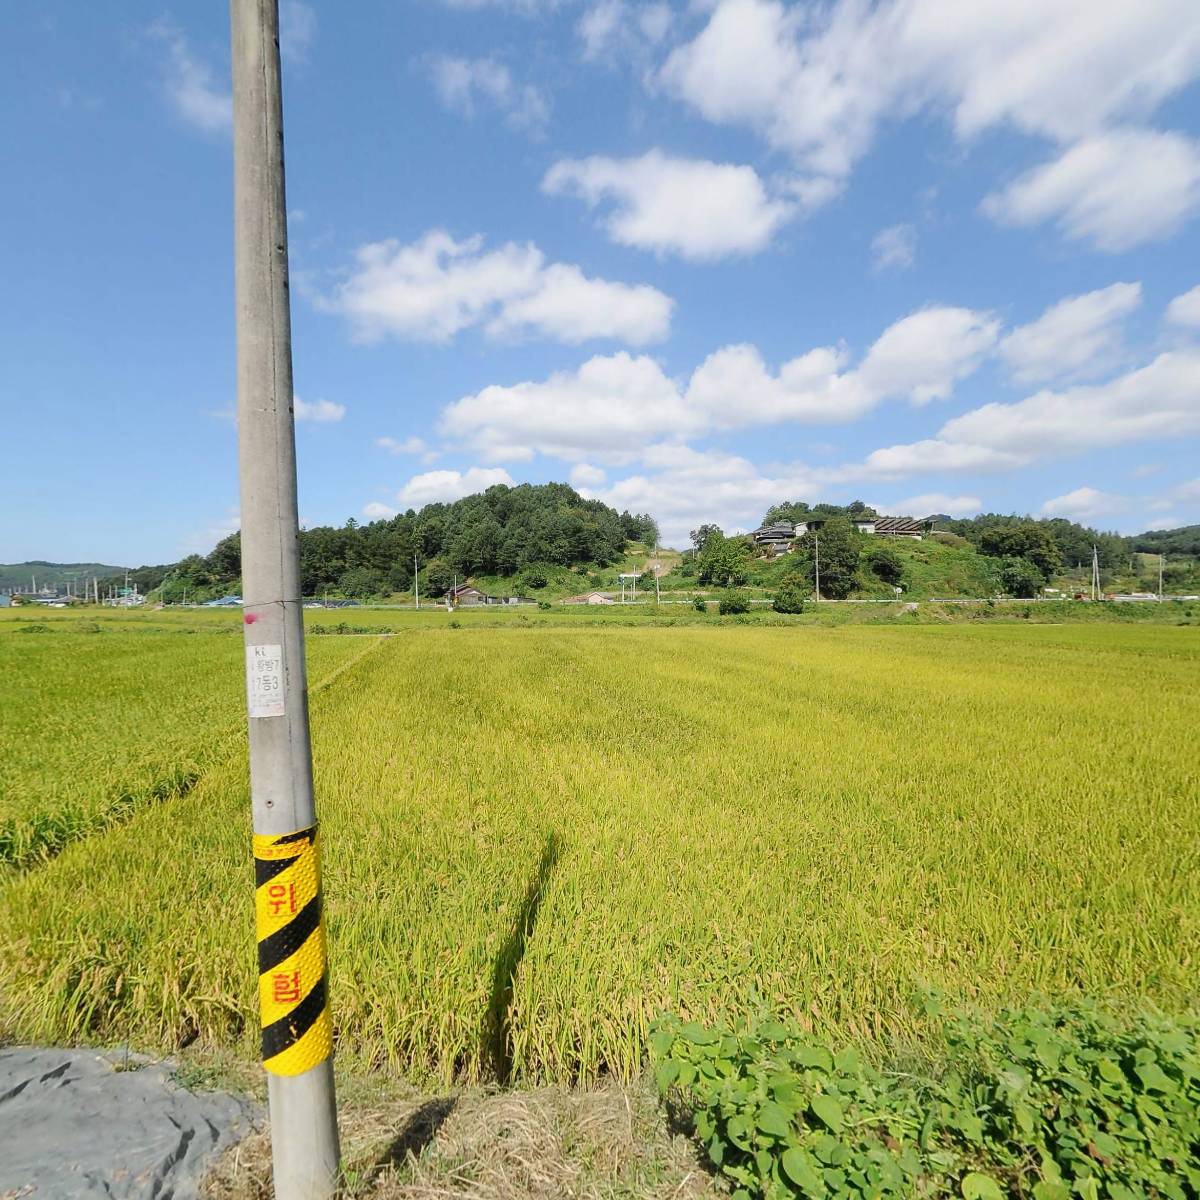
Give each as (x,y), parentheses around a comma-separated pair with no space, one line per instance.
(776,538)
(901,527)
(904,527)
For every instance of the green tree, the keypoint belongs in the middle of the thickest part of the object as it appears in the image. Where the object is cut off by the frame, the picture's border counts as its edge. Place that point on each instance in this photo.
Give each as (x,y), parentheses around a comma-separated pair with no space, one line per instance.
(361,582)
(724,561)
(225,560)
(699,537)
(400,576)
(699,604)
(884,563)
(1021,578)
(837,545)
(439,578)
(1025,539)
(732,603)
(791,596)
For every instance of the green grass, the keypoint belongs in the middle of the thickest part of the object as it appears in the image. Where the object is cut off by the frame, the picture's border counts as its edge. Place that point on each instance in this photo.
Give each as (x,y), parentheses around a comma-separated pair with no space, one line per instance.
(538,840)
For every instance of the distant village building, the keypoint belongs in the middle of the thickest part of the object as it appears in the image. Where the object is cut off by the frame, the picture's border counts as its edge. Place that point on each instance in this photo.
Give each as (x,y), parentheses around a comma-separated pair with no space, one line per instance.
(592,598)
(467,595)
(780,536)
(775,538)
(904,527)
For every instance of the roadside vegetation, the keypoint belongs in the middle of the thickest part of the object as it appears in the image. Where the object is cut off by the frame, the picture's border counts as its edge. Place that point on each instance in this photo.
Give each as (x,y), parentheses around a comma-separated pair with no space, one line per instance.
(1053,1102)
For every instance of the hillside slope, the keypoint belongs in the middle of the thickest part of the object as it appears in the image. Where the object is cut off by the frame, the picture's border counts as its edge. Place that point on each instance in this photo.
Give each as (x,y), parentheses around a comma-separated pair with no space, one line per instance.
(48,574)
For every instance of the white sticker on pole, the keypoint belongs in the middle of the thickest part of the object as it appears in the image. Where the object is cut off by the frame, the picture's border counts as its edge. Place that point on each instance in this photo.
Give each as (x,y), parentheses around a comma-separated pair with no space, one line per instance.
(264,680)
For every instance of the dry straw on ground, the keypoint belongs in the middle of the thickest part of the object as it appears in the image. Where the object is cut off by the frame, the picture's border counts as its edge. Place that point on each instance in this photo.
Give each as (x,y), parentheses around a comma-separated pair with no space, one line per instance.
(594,1144)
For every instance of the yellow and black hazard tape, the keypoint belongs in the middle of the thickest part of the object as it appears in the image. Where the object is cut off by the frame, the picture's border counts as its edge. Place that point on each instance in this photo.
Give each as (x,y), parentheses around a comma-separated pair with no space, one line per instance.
(296,1030)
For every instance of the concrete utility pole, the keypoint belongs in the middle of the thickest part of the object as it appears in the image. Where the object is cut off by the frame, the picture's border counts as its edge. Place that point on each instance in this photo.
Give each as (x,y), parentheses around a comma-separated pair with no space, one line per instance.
(416,582)
(817,565)
(297,1030)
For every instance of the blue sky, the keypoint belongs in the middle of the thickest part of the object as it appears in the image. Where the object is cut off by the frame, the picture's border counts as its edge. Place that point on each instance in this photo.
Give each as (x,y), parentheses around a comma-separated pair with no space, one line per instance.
(696,259)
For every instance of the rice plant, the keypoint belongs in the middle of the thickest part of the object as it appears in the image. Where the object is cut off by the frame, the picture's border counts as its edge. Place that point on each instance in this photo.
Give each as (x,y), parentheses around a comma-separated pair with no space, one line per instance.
(538,841)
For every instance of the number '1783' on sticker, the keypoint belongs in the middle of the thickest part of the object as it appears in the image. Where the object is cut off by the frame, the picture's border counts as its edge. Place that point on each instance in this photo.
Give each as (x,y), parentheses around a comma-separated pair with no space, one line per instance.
(264,681)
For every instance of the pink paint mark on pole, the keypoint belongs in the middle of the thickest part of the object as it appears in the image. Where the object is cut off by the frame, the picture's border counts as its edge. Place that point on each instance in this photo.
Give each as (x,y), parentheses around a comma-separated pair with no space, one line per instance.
(250,618)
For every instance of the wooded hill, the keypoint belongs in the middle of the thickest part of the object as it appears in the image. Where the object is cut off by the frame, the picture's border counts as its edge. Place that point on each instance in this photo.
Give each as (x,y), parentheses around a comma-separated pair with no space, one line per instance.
(993,553)
(514,532)
(546,540)
(20,576)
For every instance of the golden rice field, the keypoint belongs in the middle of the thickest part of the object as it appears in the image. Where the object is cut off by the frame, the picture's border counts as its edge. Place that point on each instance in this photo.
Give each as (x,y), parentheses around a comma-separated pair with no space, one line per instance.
(93,726)
(539,838)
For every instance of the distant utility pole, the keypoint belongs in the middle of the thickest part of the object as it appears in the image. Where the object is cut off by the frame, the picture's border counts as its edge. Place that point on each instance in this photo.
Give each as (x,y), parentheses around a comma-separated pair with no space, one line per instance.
(297,1031)
(817,565)
(1095,573)
(1160,576)
(416,582)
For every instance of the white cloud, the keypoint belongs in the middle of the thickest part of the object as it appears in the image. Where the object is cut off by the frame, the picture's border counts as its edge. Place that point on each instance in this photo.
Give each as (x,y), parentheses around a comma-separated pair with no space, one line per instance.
(734,388)
(321,412)
(1078,335)
(189,84)
(932,455)
(928,503)
(817,82)
(572,308)
(924,354)
(610,407)
(297,28)
(684,488)
(203,540)
(690,207)
(1185,309)
(446,486)
(1115,190)
(379,512)
(895,247)
(523,8)
(584,475)
(614,405)
(466,84)
(1083,504)
(409,445)
(1155,401)
(612,29)
(1166,505)
(436,287)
